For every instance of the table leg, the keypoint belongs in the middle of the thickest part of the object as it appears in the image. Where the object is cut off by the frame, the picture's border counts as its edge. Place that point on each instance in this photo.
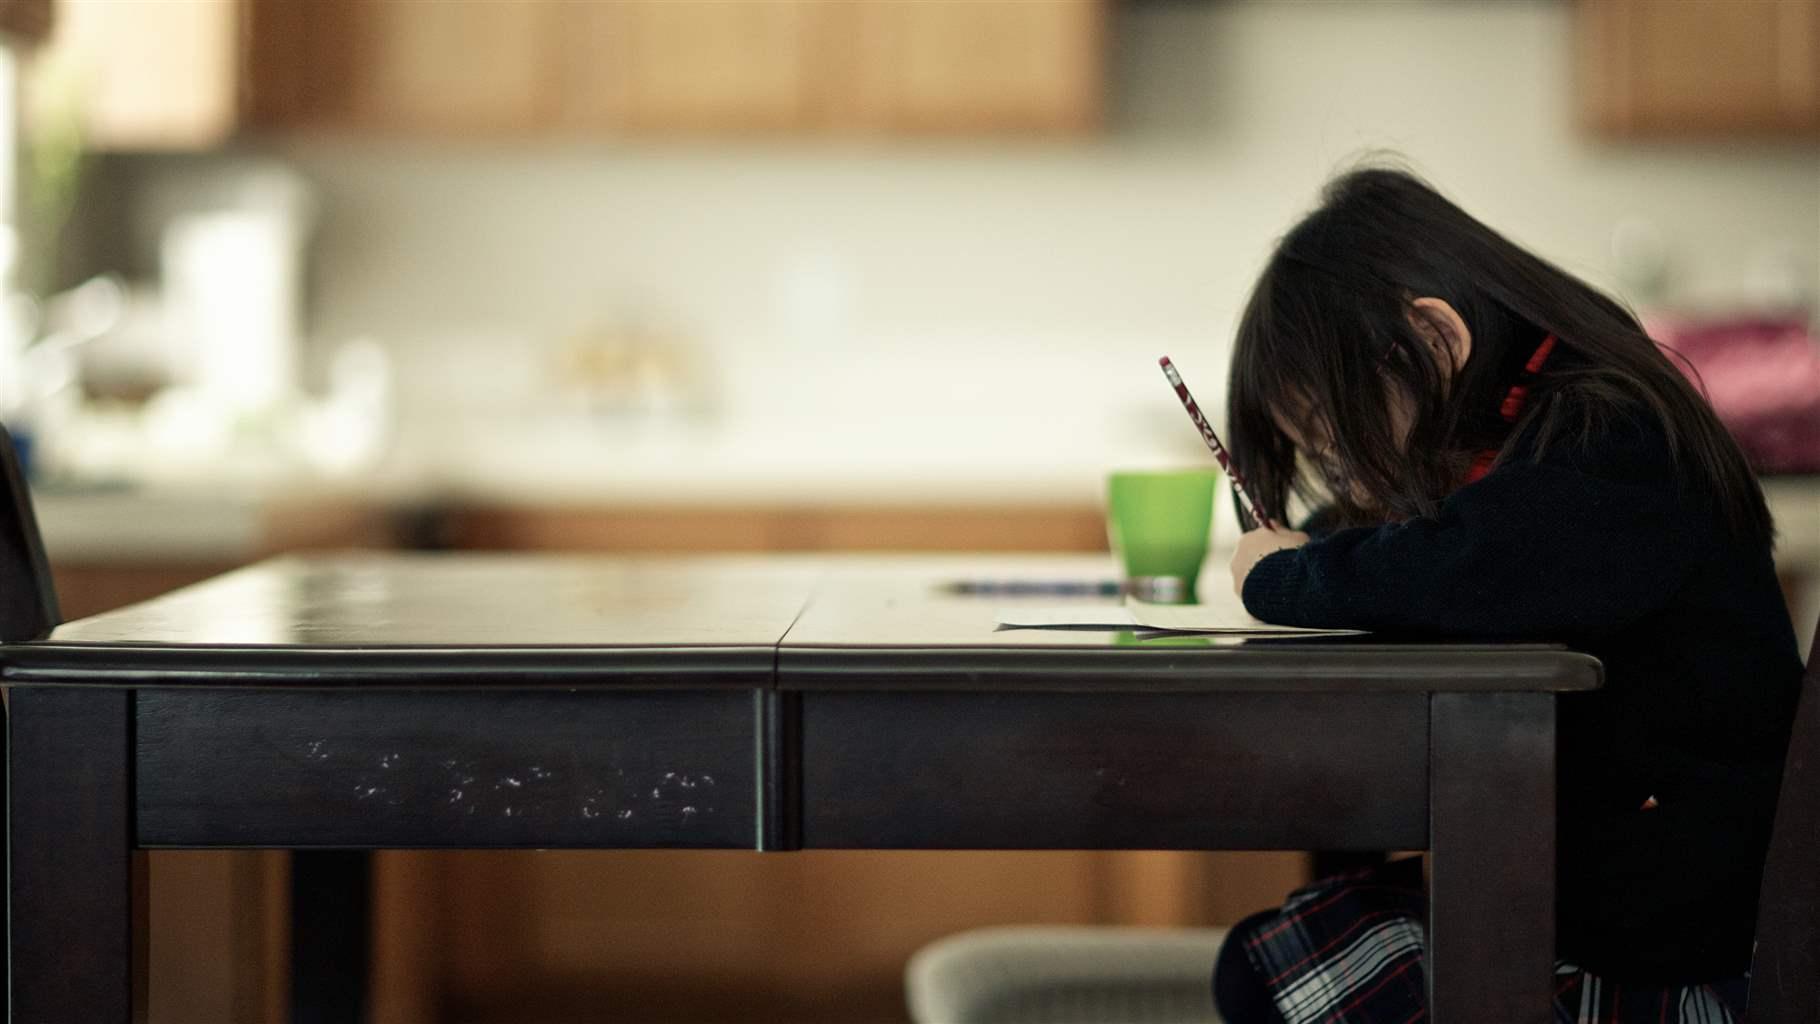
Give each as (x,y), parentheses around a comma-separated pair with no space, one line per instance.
(72,892)
(330,935)
(1491,917)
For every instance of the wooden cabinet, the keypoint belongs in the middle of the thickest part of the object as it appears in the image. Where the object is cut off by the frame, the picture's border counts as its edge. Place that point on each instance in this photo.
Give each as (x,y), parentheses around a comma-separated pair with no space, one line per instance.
(945,65)
(728,66)
(450,67)
(685,528)
(152,74)
(189,74)
(1700,67)
(694,66)
(813,937)
(438,67)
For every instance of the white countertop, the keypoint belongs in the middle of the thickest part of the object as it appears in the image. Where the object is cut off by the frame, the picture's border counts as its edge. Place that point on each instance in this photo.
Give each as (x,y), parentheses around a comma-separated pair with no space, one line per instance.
(135,525)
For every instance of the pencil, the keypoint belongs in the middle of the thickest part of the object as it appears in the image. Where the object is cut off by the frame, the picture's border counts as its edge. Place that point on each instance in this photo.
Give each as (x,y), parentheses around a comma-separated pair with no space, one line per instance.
(1212,439)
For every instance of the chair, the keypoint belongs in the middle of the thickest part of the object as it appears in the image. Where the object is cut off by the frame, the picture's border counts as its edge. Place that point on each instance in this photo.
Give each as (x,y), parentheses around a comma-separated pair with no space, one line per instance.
(28,600)
(1785,973)
(1067,975)
(28,605)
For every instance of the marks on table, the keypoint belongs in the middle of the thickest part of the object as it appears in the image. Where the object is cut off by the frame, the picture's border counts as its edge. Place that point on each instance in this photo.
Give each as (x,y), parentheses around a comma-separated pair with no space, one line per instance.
(456,784)
(476,769)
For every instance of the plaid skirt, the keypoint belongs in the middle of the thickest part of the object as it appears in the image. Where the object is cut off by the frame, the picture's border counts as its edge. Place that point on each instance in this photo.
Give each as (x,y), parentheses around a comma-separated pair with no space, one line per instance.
(1349,950)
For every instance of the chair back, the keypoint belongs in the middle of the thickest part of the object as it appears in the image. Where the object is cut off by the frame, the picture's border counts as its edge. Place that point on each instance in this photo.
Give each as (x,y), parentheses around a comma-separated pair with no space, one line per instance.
(1785,973)
(28,599)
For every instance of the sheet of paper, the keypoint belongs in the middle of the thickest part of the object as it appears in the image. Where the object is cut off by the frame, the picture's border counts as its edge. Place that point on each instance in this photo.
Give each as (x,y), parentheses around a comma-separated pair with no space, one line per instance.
(1219,612)
(1068,616)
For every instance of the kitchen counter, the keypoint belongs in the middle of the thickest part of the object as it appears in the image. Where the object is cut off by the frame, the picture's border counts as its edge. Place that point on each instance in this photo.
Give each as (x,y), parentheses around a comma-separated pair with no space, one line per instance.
(705,466)
(132,524)
(203,526)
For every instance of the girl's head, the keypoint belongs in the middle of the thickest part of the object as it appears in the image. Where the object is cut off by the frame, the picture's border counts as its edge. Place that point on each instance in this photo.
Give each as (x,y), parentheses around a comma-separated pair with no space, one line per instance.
(1372,357)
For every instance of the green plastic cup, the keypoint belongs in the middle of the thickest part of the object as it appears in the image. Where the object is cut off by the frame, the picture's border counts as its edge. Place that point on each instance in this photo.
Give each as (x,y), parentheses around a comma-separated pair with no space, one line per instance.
(1159,523)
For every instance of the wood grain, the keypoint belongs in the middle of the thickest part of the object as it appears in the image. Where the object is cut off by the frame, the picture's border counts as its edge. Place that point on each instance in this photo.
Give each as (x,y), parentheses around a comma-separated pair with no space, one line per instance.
(1699,67)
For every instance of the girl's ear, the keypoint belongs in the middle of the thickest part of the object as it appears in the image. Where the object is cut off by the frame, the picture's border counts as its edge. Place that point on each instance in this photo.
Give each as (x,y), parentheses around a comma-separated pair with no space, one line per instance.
(1440,323)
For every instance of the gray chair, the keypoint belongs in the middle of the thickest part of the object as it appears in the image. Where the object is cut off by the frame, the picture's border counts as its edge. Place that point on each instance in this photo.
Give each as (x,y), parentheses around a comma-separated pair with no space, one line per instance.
(1066,975)
(28,601)
(1073,975)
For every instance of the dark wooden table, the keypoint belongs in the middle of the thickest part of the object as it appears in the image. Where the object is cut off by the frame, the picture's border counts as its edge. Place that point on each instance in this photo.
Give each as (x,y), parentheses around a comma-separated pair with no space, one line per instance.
(497,702)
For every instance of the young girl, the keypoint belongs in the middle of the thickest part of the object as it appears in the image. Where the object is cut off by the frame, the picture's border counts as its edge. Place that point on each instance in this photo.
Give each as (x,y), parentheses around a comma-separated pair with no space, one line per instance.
(1500,452)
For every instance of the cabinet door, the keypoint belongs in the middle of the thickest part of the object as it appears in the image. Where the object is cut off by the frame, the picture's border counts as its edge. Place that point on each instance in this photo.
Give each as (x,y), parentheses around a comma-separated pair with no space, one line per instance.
(1701,67)
(969,66)
(678,66)
(689,65)
(155,74)
(444,66)
(424,67)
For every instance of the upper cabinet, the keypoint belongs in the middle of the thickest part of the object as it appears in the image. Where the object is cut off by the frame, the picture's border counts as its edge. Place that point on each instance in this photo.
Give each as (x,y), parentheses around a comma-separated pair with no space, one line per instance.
(190,73)
(983,66)
(699,66)
(450,66)
(150,74)
(1700,67)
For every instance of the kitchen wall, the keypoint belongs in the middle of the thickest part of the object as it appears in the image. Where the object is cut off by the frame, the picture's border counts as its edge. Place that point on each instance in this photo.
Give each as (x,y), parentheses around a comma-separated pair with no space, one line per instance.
(965,303)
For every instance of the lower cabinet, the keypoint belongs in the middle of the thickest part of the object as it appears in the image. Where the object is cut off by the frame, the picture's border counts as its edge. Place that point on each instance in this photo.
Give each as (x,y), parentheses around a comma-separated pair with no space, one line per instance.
(733,936)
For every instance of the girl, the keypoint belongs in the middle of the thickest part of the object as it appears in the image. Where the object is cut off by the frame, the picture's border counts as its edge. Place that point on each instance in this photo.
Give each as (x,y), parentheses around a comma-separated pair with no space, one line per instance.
(1500,452)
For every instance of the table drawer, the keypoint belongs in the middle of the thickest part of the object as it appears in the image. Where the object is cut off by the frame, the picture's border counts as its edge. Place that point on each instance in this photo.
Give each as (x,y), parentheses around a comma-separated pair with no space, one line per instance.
(1105,771)
(610,769)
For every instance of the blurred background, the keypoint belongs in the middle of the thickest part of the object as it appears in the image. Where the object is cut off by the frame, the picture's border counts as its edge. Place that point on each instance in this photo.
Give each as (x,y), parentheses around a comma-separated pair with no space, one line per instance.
(701,275)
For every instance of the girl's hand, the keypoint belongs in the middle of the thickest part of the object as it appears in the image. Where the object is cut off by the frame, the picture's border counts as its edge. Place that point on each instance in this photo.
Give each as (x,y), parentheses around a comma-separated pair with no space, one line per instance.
(1255,544)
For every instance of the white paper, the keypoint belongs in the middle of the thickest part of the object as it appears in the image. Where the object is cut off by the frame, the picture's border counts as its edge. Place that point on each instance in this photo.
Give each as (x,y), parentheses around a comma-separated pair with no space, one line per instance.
(1075,616)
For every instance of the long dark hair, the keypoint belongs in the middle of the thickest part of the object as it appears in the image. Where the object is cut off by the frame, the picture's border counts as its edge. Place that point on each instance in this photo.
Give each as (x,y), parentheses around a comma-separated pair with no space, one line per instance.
(1330,335)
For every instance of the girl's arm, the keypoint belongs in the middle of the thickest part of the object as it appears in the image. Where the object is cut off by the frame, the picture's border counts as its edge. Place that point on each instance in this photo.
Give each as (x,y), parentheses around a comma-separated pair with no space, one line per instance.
(1551,549)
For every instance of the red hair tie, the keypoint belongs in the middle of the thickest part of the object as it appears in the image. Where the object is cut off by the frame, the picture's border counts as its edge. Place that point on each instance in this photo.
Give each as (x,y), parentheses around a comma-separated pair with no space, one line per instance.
(1511,408)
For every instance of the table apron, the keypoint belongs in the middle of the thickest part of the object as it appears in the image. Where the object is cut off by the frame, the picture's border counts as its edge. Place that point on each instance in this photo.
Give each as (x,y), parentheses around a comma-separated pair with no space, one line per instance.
(1006,770)
(462,769)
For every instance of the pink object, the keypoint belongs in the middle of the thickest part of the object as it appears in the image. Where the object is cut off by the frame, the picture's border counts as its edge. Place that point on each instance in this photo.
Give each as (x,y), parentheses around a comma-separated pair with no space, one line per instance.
(1212,439)
(1762,376)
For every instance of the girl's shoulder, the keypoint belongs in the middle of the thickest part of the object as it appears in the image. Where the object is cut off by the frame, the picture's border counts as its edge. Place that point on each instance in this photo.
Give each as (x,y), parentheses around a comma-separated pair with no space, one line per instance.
(1624,442)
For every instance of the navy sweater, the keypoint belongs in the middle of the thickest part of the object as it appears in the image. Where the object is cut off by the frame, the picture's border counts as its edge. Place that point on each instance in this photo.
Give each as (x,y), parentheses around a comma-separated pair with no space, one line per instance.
(1599,547)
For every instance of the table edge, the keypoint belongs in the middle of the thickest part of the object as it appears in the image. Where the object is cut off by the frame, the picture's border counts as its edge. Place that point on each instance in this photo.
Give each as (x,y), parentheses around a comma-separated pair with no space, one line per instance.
(134,665)
(1428,668)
